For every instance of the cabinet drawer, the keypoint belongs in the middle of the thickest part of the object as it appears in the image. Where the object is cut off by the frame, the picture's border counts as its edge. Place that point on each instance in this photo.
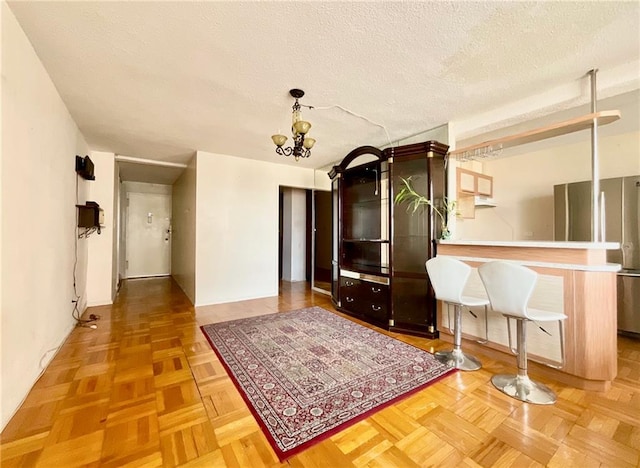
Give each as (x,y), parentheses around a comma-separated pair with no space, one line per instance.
(377,310)
(356,287)
(349,284)
(365,306)
(364,297)
(351,293)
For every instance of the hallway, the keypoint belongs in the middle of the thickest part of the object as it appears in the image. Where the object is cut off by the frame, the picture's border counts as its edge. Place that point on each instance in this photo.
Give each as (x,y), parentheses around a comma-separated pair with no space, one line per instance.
(145,389)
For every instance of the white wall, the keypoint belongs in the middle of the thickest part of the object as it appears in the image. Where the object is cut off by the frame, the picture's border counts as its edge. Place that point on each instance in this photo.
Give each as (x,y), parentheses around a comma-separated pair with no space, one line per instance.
(39,144)
(183,241)
(523,186)
(237,226)
(322,180)
(101,285)
(440,134)
(144,187)
(294,239)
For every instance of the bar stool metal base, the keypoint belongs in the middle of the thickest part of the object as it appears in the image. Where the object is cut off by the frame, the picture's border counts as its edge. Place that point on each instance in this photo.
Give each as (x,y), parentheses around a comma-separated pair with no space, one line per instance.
(458,359)
(524,389)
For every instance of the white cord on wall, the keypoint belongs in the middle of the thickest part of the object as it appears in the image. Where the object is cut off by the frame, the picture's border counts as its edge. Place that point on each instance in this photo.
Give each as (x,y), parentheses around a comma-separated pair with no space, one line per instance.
(504,220)
(354,114)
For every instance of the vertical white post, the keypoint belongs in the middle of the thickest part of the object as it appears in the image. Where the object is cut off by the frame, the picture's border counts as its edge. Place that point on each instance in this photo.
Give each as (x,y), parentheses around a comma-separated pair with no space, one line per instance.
(595,165)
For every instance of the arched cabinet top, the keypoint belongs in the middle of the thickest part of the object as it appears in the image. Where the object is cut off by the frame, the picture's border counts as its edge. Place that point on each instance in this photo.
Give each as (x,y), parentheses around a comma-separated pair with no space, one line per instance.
(427,148)
(349,158)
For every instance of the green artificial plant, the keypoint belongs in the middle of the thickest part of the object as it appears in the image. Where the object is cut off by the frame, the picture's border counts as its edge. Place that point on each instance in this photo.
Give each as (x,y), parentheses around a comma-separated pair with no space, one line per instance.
(414,201)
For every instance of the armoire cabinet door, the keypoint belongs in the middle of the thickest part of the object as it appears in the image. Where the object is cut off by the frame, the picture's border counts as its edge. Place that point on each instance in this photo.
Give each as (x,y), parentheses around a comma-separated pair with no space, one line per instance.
(412,300)
(335,239)
(410,247)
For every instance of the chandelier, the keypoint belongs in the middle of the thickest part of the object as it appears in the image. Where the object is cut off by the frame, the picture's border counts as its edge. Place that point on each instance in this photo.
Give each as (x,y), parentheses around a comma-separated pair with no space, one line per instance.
(301,146)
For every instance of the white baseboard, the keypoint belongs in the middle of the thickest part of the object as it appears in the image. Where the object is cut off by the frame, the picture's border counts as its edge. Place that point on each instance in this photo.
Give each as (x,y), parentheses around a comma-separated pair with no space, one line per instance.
(148,276)
(98,303)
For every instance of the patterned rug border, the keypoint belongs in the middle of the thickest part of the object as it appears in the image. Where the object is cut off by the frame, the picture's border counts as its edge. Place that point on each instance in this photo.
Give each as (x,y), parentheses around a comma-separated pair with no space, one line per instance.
(283,455)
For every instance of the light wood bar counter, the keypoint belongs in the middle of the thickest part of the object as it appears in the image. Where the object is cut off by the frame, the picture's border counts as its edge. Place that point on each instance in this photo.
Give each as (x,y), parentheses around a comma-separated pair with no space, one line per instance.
(575,279)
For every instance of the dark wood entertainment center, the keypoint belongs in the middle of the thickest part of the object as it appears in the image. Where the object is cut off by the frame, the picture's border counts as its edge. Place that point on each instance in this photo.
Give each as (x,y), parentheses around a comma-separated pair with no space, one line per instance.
(379,248)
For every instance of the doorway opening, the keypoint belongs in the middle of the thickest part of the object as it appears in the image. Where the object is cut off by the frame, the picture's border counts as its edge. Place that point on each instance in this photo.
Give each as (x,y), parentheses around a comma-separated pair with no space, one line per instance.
(322,232)
(304,250)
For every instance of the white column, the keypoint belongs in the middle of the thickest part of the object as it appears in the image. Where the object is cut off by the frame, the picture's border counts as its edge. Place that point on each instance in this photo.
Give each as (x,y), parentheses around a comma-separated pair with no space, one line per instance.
(100,256)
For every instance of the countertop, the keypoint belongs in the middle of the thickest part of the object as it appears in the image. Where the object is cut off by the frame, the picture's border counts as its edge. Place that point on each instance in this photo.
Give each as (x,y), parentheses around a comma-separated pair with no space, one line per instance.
(536,244)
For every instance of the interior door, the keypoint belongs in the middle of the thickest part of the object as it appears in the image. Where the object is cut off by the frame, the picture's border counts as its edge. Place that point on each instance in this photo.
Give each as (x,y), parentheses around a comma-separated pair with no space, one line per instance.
(148,237)
(412,298)
(322,243)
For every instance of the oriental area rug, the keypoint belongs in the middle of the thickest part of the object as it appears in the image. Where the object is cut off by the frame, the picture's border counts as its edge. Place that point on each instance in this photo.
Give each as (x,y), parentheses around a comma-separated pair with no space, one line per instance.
(309,373)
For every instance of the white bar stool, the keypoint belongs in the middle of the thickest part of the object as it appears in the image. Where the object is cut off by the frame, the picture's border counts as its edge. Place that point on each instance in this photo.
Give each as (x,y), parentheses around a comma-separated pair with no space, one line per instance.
(509,287)
(448,277)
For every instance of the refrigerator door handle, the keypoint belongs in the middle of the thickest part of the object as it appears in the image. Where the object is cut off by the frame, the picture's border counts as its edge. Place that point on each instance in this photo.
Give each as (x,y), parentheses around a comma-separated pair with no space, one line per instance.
(603,221)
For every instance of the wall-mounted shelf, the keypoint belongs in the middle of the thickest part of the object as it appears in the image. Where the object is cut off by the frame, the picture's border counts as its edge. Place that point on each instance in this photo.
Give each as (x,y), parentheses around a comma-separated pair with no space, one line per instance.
(561,128)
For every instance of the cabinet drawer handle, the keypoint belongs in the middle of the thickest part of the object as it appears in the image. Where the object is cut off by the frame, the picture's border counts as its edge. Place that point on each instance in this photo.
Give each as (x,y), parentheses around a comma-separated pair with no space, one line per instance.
(348,299)
(375,290)
(348,283)
(376,308)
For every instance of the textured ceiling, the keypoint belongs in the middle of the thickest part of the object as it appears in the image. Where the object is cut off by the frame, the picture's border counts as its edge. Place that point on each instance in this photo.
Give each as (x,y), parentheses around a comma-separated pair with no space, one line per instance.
(158,80)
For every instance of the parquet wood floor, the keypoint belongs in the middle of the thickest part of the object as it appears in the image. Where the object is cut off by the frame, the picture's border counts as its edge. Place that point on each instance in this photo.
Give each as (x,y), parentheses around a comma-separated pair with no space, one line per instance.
(146,390)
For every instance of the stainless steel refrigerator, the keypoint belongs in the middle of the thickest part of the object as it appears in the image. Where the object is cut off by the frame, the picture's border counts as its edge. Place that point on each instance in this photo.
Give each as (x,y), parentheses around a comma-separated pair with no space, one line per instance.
(620,222)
